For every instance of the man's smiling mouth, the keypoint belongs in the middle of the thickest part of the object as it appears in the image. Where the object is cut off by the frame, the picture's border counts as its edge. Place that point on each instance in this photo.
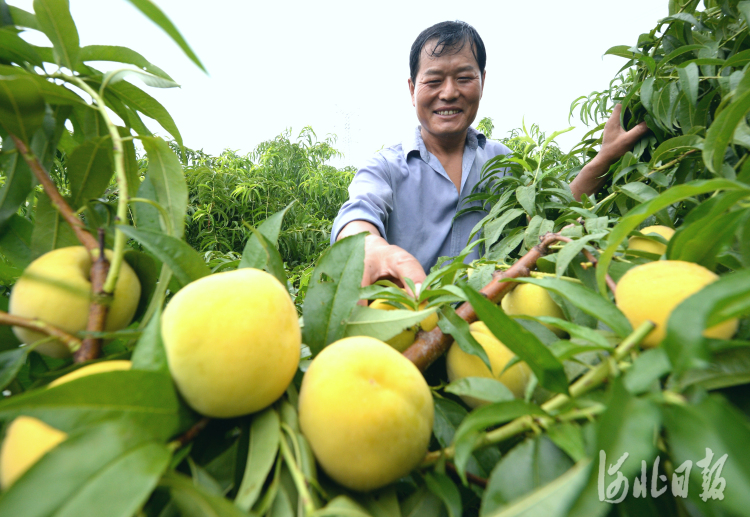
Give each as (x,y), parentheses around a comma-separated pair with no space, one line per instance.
(448,112)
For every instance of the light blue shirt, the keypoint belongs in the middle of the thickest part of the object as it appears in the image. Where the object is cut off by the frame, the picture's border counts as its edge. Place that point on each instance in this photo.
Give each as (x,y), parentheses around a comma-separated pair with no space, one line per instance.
(405,192)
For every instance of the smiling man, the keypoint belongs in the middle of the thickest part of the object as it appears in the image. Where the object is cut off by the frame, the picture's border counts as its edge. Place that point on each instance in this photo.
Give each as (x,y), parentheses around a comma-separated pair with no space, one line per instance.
(406,197)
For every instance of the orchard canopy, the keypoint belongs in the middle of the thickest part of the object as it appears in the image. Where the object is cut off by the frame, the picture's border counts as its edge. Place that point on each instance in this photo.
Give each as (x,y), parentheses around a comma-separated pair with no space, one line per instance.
(177,337)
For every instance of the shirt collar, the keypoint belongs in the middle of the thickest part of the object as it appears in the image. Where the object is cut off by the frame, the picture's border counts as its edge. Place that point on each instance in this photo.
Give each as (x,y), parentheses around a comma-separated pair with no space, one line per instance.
(414,142)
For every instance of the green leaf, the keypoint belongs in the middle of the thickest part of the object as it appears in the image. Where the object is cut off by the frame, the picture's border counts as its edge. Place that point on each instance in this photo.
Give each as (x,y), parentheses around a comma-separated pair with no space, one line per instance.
(23,18)
(720,133)
(712,425)
(527,467)
(622,51)
(576,331)
(341,506)
(333,292)
(186,263)
(110,469)
(482,418)
(568,436)
(15,241)
(451,323)
(675,146)
(11,362)
(147,271)
(728,368)
(21,106)
(45,141)
(494,229)
(381,503)
(159,18)
(720,300)
(50,229)
(690,81)
(639,191)
(527,197)
(16,50)
(18,182)
(146,78)
(588,301)
(704,240)
(120,55)
(149,353)
(638,214)
(647,91)
(261,455)
(254,255)
(442,486)
(137,99)
(56,22)
(274,262)
(421,503)
(448,416)
(744,9)
(553,499)
(571,249)
(194,501)
(548,370)
(481,388)
(153,407)
(90,170)
(382,325)
(56,94)
(648,368)
(167,178)
(626,427)
(147,215)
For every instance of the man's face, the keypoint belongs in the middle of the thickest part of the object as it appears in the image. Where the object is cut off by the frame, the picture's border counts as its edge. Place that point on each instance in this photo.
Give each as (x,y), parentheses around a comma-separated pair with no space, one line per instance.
(447,91)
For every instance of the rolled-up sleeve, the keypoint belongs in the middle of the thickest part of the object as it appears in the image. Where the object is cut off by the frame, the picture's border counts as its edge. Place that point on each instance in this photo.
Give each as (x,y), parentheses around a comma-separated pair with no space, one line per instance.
(370,198)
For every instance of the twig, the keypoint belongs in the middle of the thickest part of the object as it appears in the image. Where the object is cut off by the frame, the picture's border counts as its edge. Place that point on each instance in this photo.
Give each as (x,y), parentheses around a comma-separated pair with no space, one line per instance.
(430,345)
(72,342)
(121,176)
(98,308)
(471,478)
(57,200)
(189,435)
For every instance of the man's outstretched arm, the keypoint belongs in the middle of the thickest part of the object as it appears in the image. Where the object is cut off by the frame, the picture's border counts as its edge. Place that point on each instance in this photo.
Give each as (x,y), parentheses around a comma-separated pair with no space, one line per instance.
(383,260)
(615,143)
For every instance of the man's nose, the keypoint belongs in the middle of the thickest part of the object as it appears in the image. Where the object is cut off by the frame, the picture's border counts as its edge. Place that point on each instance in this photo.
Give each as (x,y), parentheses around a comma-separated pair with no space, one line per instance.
(449,90)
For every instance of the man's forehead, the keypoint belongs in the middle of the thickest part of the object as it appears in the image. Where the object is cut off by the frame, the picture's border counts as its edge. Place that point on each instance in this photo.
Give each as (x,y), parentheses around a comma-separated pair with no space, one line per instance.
(432,64)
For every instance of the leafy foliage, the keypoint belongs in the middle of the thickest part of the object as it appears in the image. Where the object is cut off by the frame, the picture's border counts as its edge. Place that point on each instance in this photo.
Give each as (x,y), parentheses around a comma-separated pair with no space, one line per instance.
(135,448)
(229,192)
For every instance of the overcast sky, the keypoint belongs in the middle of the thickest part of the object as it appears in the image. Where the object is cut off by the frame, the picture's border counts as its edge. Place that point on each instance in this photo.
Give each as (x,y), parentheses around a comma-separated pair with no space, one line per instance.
(342,66)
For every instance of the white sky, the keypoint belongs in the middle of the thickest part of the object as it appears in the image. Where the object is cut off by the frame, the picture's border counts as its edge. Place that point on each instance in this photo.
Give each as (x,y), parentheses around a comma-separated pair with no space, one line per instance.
(342,66)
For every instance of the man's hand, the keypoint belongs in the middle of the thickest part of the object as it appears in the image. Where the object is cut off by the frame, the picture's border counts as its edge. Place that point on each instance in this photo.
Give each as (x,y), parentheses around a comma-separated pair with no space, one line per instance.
(615,140)
(385,261)
(615,143)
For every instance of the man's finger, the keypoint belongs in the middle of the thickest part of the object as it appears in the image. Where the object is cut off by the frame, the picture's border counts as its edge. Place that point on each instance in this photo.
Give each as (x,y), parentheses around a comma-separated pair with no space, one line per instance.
(637,132)
(409,267)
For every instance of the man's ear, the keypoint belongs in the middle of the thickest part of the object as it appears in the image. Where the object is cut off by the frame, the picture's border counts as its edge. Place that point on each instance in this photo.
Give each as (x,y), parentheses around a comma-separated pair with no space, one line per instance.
(411,92)
(481,90)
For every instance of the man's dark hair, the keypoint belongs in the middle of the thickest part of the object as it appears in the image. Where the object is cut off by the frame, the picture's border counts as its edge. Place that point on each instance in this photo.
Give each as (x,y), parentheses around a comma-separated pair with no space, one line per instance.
(449,38)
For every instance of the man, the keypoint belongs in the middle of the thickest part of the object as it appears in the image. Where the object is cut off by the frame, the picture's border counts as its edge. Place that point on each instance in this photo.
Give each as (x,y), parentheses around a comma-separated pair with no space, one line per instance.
(407,195)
